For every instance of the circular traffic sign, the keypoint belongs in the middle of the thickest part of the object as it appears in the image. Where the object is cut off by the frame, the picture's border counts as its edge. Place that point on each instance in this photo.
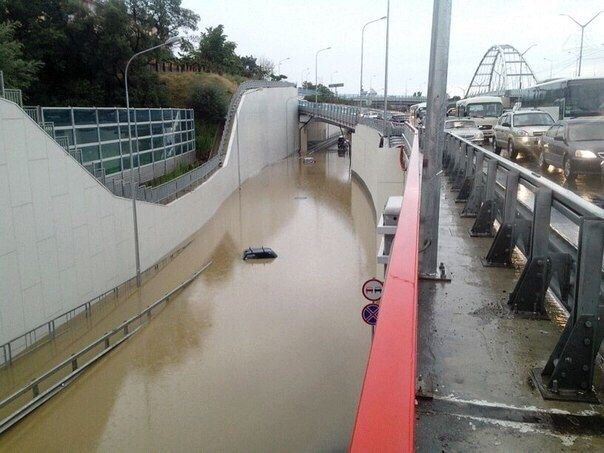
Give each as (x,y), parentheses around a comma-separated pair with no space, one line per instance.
(370,313)
(372,289)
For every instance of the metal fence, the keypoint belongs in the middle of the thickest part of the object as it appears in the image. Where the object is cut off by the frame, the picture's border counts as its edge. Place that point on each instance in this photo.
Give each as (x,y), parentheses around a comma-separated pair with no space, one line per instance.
(41,389)
(10,94)
(562,237)
(172,189)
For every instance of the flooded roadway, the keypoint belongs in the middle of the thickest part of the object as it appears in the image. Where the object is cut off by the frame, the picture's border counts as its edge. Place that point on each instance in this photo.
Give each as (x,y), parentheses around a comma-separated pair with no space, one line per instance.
(252,356)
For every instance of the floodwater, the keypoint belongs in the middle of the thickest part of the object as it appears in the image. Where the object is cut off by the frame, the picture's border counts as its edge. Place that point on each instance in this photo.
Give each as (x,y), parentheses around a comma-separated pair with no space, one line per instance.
(252,356)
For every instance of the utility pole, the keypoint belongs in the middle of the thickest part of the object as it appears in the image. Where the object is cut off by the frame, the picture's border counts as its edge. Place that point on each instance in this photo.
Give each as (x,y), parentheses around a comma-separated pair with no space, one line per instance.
(582,33)
(362,46)
(386,64)
(433,148)
(317,71)
(133,186)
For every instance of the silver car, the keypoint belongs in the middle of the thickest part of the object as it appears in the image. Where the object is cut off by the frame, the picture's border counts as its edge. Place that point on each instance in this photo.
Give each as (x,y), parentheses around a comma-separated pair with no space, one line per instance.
(464,128)
(520,130)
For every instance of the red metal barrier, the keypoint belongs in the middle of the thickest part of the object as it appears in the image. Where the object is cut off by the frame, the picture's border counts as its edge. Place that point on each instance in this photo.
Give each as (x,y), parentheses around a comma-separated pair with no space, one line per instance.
(386,414)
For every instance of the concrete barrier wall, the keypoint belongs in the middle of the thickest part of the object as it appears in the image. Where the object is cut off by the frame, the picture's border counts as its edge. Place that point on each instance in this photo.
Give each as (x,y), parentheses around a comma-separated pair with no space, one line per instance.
(378,168)
(65,239)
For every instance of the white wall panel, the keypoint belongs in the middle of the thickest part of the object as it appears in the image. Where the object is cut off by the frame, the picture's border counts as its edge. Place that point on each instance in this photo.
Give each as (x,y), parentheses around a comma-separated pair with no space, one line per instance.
(73,240)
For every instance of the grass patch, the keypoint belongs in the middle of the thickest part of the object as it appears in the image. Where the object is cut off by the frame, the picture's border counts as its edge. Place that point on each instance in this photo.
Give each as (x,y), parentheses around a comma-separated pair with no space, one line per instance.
(178,171)
(207,137)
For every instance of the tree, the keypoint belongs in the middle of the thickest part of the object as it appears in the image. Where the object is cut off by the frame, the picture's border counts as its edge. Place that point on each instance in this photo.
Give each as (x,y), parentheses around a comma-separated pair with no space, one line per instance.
(18,71)
(216,53)
(266,67)
(84,51)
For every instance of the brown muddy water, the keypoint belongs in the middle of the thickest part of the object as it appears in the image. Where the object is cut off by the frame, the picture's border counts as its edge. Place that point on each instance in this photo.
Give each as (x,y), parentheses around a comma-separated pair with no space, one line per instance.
(252,356)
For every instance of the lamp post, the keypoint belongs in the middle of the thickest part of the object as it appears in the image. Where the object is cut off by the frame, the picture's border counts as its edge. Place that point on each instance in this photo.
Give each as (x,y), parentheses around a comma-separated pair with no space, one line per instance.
(362,47)
(132,186)
(237,136)
(317,71)
(522,60)
(582,32)
(279,65)
(386,64)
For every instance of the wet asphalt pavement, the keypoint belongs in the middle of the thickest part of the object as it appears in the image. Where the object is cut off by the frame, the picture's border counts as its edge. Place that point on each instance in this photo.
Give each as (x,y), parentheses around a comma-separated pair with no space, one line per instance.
(591,188)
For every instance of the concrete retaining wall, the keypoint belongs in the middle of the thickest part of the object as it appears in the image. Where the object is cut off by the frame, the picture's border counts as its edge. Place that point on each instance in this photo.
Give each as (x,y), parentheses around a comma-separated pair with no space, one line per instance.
(64,238)
(378,168)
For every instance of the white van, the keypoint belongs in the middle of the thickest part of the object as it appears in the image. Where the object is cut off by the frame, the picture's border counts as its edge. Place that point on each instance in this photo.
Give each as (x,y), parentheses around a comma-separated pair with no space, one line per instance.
(484,110)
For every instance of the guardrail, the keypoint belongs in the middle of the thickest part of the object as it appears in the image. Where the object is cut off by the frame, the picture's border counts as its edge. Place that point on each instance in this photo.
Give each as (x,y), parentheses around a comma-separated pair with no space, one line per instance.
(350,116)
(386,413)
(44,387)
(170,190)
(562,237)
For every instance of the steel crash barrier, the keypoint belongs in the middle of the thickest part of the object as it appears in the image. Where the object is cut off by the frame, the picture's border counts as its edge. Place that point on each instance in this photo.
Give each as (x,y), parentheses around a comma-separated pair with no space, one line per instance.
(562,238)
(386,413)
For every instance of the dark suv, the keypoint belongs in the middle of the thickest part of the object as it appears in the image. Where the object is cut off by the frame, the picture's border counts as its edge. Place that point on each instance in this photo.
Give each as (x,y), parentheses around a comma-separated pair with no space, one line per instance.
(575,145)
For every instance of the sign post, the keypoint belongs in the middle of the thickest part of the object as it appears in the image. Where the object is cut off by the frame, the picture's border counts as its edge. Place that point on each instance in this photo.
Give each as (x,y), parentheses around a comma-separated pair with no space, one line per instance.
(372,291)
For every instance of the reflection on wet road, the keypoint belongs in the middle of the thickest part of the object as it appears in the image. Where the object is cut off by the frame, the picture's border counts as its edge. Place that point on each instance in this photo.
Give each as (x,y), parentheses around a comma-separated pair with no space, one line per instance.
(253,356)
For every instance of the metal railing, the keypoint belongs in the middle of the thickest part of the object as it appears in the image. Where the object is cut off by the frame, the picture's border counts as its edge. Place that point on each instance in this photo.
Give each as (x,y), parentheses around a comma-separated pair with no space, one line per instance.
(337,113)
(172,189)
(562,237)
(44,387)
(386,413)
(350,116)
(14,95)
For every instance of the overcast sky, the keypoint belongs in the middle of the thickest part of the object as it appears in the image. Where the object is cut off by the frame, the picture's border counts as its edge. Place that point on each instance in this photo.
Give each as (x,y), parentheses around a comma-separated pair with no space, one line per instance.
(278,29)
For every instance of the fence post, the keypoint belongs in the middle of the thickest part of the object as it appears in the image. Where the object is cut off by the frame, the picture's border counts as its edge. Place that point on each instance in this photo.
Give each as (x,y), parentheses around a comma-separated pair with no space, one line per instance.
(477,189)
(569,372)
(500,253)
(466,185)
(483,224)
(529,293)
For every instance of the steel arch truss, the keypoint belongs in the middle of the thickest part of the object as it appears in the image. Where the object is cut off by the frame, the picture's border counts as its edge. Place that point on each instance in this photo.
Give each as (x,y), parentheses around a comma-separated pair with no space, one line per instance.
(502,68)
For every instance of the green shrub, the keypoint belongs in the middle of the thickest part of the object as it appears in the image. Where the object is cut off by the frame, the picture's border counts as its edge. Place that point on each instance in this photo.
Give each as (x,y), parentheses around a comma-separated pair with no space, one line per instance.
(210,101)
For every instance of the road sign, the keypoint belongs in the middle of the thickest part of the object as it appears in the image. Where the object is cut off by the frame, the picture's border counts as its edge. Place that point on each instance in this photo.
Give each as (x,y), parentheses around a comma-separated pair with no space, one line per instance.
(372,289)
(370,313)
(335,85)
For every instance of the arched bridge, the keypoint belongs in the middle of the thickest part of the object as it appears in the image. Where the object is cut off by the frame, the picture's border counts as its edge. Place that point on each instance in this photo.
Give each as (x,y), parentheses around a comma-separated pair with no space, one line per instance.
(501,68)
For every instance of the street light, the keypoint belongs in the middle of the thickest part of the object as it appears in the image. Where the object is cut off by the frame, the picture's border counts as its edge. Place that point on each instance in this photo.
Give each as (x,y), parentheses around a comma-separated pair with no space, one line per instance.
(522,59)
(317,71)
(279,65)
(386,65)
(237,136)
(582,31)
(132,187)
(362,46)
(527,49)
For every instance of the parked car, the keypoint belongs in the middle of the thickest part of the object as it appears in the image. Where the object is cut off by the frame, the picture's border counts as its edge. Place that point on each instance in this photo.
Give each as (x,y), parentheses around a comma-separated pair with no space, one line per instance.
(575,145)
(519,130)
(463,128)
(398,118)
